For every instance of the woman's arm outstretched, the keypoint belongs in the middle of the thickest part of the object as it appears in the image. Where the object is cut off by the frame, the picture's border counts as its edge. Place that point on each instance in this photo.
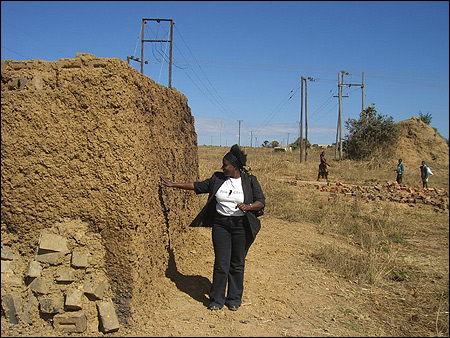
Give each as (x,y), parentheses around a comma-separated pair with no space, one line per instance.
(186,186)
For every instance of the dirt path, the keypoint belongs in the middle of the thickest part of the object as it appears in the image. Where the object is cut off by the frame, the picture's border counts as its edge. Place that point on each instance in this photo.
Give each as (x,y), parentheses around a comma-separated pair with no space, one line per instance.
(284,295)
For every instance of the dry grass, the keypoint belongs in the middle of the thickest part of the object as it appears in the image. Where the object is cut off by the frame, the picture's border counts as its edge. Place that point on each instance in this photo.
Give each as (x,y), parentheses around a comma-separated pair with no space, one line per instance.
(376,171)
(379,244)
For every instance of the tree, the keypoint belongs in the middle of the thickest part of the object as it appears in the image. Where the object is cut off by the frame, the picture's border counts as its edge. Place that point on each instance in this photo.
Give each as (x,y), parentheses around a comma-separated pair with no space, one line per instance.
(295,145)
(426,118)
(370,133)
(274,144)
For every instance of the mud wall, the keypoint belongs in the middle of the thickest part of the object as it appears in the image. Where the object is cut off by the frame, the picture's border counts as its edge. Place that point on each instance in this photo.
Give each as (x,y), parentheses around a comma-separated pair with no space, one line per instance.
(87,138)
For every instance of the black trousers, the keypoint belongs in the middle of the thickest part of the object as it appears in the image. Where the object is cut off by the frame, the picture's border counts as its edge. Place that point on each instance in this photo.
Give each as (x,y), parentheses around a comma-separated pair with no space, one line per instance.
(231,240)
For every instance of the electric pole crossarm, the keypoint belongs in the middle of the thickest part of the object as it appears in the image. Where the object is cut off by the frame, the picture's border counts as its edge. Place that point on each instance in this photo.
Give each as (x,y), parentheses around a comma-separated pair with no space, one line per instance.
(155,40)
(352,84)
(158,20)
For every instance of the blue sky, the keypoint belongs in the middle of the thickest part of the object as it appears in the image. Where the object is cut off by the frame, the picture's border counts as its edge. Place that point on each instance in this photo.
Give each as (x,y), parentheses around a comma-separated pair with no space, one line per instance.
(243,60)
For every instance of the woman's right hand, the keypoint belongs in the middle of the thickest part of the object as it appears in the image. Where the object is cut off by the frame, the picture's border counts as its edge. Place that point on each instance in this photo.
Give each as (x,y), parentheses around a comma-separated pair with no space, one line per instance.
(166,182)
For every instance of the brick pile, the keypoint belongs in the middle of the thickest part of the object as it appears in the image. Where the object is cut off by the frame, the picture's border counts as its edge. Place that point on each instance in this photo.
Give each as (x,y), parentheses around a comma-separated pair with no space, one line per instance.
(392,191)
(63,284)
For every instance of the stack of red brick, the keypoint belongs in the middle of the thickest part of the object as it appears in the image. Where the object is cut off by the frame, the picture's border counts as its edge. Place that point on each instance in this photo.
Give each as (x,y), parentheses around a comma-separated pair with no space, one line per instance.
(392,191)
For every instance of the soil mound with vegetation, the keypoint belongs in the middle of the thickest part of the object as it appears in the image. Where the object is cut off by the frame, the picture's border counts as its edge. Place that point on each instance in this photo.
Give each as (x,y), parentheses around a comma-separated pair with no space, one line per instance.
(420,142)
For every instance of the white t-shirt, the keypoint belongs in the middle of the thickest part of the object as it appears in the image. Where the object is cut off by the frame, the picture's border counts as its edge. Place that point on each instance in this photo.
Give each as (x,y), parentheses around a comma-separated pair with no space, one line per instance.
(228,196)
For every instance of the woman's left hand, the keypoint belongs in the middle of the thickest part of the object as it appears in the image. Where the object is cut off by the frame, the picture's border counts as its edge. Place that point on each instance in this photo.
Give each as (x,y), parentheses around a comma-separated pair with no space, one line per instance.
(244,207)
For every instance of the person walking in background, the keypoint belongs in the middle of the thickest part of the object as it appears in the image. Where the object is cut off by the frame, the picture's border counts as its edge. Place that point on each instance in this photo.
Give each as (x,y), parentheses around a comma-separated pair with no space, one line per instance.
(424,174)
(234,203)
(400,170)
(323,167)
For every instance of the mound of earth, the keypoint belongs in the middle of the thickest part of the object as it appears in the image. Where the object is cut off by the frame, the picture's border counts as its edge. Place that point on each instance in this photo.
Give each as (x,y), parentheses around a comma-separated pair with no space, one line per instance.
(420,142)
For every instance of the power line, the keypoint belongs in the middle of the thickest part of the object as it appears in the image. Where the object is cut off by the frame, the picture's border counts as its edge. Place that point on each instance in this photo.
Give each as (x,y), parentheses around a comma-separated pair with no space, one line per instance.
(198,64)
(217,104)
(34,39)
(26,57)
(277,109)
(321,117)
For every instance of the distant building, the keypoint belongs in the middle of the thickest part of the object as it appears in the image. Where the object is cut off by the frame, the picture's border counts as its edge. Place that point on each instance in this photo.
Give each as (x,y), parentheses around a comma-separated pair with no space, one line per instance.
(282,149)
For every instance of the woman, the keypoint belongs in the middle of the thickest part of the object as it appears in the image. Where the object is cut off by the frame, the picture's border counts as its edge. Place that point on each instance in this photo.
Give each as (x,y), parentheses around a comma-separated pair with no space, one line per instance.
(400,170)
(323,167)
(424,174)
(234,202)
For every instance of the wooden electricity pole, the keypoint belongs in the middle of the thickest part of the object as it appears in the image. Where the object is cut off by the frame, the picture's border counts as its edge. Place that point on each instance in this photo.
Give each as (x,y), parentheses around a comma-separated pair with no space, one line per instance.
(306,117)
(304,88)
(341,84)
(340,115)
(362,90)
(144,21)
(306,120)
(239,142)
(300,140)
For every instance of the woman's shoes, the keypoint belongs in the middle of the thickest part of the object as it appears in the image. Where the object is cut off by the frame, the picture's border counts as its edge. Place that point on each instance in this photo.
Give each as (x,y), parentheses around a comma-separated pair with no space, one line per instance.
(233,307)
(213,307)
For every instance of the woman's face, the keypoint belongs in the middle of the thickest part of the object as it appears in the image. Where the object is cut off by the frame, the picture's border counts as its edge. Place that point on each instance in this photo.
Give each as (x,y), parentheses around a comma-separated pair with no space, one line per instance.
(228,169)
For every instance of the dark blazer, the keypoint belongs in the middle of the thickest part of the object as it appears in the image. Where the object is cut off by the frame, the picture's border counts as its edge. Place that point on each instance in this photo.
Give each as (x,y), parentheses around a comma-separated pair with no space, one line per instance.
(252,192)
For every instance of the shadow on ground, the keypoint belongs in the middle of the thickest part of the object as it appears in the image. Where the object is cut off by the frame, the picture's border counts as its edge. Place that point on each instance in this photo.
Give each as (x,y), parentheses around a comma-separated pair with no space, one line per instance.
(195,286)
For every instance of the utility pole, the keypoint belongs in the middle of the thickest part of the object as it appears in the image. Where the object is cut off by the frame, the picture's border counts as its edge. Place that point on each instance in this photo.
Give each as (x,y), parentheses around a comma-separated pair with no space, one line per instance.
(305,86)
(340,115)
(239,143)
(251,139)
(338,144)
(300,140)
(220,133)
(341,84)
(362,90)
(306,117)
(306,120)
(144,21)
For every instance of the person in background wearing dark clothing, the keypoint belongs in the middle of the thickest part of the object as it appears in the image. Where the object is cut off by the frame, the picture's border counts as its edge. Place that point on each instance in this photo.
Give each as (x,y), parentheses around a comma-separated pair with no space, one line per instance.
(234,203)
(424,174)
(323,167)
(400,170)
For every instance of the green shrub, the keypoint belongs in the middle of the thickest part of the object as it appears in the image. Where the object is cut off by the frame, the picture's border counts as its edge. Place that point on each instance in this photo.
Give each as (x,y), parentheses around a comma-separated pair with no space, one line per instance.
(370,134)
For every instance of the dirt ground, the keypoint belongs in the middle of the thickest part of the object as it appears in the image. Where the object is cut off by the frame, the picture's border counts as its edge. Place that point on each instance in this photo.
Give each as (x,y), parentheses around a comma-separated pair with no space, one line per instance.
(285,295)
(286,292)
